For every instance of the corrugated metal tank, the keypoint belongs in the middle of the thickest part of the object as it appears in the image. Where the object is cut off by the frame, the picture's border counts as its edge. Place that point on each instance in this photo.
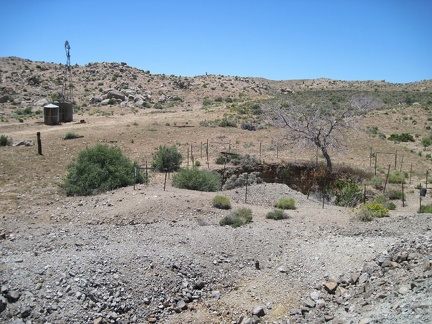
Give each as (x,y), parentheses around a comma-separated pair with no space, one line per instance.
(51,115)
(66,112)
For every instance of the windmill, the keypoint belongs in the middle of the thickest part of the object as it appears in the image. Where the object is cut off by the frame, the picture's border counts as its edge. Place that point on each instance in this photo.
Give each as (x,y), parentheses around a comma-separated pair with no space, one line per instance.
(67,83)
(66,108)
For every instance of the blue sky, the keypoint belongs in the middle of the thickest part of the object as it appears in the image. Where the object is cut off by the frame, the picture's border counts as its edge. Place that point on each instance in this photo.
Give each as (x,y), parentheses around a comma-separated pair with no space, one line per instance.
(280,40)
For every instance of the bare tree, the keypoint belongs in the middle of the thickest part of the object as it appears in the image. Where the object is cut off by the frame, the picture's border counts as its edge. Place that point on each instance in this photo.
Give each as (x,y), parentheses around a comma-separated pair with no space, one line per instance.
(323,125)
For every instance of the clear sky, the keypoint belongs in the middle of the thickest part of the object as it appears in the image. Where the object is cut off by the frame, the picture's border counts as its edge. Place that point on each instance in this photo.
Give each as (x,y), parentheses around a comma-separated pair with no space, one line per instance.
(276,39)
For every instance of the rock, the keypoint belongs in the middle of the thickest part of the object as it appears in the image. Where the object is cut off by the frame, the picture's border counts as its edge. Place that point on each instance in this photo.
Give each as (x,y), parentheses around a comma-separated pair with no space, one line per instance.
(3,303)
(315,295)
(162,98)
(258,311)
(363,278)
(105,102)
(24,143)
(41,102)
(199,285)
(404,289)
(309,303)
(330,286)
(116,95)
(4,98)
(13,296)
(282,269)
(25,311)
(182,305)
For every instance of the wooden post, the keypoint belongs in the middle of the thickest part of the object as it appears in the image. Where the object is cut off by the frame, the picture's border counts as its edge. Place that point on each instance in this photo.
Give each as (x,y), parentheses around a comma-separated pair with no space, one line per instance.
(207,151)
(246,192)
(376,154)
(192,157)
(410,172)
(260,151)
(188,157)
(364,194)
(403,198)
(166,173)
(370,157)
(134,176)
(277,151)
(39,143)
(427,175)
(400,170)
(387,176)
(395,160)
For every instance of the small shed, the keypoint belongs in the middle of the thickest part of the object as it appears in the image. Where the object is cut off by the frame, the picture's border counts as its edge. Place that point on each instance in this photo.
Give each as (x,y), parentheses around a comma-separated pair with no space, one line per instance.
(51,114)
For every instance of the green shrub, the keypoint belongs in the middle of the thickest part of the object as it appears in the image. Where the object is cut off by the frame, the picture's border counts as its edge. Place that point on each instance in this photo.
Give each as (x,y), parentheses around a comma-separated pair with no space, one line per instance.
(396,177)
(5,141)
(394,195)
(381,199)
(98,169)
(195,179)
(167,159)
(276,214)
(285,203)
(376,182)
(229,158)
(369,211)
(237,218)
(426,209)
(221,202)
(227,123)
(401,138)
(348,194)
(70,135)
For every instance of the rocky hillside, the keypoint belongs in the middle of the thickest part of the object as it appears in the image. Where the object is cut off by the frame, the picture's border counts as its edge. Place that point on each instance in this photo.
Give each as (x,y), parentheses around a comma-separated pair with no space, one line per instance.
(31,85)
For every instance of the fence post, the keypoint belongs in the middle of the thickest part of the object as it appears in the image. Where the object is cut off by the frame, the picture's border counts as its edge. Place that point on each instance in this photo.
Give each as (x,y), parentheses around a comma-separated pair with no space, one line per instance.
(246,192)
(410,172)
(207,151)
(134,176)
(376,155)
(39,143)
(260,151)
(395,160)
(387,176)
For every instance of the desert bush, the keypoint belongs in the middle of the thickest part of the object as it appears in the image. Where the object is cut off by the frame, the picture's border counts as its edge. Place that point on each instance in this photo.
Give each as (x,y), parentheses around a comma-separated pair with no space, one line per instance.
(376,182)
(405,137)
(397,177)
(227,123)
(238,218)
(369,211)
(248,126)
(98,169)
(5,141)
(276,214)
(221,202)
(70,135)
(381,199)
(195,179)
(347,193)
(241,180)
(395,195)
(228,158)
(167,159)
(425,209)
(285,203)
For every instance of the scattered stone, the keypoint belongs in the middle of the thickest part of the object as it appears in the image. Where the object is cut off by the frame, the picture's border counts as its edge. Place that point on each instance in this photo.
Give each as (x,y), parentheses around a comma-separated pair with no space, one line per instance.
(330,286)
(13,296)
(258,311)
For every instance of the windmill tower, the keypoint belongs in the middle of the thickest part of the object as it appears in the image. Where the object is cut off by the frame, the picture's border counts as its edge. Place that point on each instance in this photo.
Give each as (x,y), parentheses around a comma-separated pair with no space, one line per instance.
(66,109)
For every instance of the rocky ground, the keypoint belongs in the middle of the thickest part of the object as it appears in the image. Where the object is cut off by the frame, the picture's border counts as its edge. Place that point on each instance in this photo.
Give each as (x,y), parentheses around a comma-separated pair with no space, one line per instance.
(149,255)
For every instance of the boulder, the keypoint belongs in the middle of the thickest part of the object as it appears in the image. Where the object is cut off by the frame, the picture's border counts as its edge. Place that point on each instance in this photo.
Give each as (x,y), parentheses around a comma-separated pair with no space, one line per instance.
(41,102)
(116,95)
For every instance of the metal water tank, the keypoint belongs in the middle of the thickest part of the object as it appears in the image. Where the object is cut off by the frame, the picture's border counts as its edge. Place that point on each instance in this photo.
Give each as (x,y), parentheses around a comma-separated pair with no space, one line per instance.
(51,114)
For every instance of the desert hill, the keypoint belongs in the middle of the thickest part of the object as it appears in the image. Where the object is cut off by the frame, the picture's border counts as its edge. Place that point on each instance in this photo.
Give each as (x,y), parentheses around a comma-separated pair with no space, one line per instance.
(152,254)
